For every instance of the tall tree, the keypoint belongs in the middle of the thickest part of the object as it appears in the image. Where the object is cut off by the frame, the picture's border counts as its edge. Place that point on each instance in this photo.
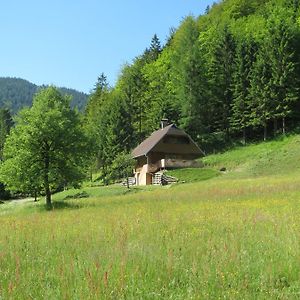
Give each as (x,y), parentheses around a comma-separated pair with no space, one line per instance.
(220,73)
(116,132)
(279,45)
(261,106)
(93,118)
(240,108)
(160,94)
(47,146)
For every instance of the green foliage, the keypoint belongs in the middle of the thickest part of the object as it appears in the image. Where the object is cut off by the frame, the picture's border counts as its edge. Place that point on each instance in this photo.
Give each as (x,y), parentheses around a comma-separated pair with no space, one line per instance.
(6,124)
(122,166)
(240,107)
(160,92)
(230,75)
(46,150)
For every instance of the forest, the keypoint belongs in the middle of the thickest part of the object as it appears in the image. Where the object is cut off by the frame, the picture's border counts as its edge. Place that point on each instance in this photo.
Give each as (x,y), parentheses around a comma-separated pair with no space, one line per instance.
(228,76)
(17,93)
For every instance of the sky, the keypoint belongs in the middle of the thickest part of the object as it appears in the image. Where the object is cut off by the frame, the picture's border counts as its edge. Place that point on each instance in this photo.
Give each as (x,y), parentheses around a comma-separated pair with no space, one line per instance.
(71,42)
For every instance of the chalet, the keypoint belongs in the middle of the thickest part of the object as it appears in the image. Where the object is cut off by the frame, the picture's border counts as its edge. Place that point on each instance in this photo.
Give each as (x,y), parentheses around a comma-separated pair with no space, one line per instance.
(166,148)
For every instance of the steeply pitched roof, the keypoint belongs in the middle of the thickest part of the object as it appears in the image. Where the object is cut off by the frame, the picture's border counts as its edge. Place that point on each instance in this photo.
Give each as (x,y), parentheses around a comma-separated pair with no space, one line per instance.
(171,130)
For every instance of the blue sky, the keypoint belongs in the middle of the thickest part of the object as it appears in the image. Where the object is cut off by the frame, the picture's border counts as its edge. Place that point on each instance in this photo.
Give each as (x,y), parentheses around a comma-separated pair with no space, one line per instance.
(69,43)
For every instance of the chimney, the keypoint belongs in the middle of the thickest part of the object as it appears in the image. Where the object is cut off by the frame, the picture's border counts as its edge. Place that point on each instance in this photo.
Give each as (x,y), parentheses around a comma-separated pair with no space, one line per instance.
(164,123)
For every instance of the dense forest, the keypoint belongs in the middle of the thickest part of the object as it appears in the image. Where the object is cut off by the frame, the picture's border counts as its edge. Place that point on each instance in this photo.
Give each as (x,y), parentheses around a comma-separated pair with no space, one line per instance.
(16,93)
(228,76)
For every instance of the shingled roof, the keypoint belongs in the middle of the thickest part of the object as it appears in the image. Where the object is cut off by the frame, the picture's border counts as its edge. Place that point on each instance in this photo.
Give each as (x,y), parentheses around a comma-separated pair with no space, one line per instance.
(156,137)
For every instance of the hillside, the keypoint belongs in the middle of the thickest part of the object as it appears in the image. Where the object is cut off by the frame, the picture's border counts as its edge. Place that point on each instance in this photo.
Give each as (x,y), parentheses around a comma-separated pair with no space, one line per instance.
(228,76)
(273,158)
(17,93)
(224,237)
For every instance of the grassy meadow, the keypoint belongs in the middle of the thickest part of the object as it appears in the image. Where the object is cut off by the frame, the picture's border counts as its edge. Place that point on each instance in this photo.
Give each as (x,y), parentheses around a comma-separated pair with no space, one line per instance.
(231,235)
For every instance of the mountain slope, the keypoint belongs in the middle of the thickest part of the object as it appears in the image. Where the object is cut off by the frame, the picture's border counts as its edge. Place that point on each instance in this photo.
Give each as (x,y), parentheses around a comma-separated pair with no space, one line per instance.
(17,93)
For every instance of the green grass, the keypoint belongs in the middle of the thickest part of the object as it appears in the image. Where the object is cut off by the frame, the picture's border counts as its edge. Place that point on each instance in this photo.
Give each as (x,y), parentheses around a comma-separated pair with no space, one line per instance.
(193,174)
(99,192)
(230,237)
(269,158)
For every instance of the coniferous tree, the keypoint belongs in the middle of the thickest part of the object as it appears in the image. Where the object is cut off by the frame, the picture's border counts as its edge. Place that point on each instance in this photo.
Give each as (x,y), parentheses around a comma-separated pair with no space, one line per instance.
(262,110)
(187,74)
(155,48)
(196,110)
(284,83)
(220,73)
(116,132)
(93,117)
(240,108)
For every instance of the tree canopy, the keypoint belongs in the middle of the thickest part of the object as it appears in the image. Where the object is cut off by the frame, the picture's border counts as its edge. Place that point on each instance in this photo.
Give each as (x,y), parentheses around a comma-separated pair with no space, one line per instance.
(47,148)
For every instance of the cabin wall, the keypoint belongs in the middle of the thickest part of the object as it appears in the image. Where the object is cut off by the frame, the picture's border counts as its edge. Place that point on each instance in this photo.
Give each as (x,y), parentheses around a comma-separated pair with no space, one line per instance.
(180,163)
(142,176)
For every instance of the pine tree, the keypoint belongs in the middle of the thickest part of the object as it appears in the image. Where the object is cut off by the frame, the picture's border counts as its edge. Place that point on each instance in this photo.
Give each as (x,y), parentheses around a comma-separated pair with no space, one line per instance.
(261,106)
(240,108)
(279,47)
(220,72)
(155,48)
(115,133)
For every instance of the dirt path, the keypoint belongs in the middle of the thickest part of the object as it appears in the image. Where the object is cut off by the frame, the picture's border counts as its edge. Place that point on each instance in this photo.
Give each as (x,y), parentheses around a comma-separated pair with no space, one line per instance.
(21,201)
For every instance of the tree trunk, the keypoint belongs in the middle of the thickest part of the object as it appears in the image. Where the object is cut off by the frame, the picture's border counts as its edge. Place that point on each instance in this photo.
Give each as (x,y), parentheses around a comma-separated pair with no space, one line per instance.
(244,136)
(35,196)
(283,125)
(127,182)
(275,127)
(265,132)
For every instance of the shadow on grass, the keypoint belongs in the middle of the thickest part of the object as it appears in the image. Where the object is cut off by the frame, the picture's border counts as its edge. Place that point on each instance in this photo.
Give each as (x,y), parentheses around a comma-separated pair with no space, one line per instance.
(60,205)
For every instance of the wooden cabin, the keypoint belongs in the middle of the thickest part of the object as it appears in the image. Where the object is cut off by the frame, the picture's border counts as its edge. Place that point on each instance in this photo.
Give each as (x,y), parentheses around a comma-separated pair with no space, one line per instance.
(166,148)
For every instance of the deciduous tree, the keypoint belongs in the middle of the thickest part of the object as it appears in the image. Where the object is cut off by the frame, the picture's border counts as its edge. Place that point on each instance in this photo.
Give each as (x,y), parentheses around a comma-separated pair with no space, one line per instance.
(46,149)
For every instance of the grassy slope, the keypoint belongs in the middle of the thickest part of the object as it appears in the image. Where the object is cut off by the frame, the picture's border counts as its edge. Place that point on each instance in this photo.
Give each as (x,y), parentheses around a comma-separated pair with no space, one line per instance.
(280,157)
(228,237)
